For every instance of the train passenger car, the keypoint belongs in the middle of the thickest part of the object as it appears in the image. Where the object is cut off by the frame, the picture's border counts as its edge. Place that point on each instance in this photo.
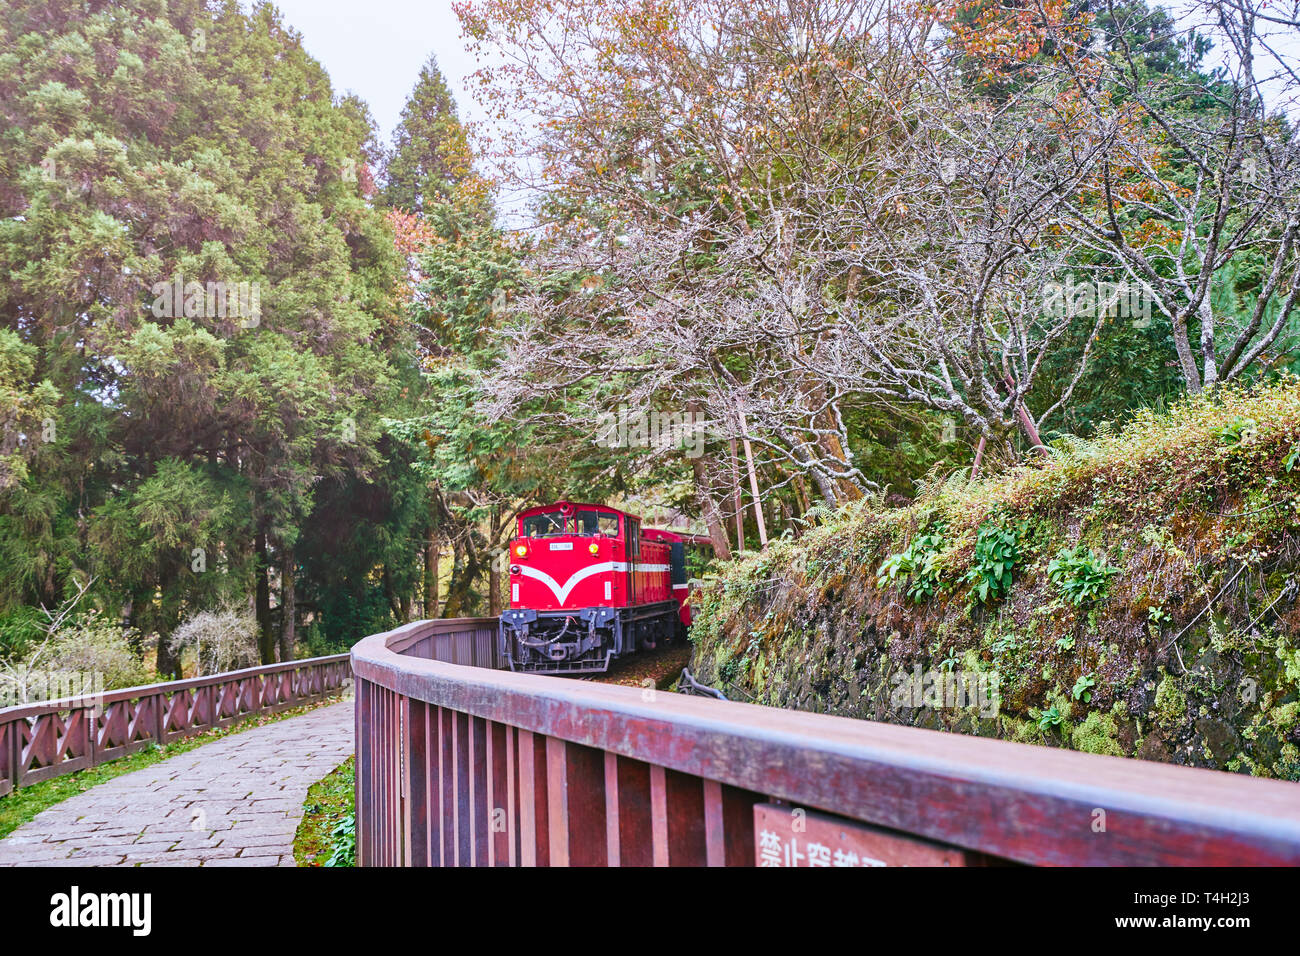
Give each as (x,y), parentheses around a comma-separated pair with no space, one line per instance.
(687,553)
(587,586)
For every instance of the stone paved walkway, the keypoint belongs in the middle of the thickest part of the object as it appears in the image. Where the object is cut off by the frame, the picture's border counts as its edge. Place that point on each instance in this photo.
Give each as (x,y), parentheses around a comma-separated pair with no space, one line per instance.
(233,802)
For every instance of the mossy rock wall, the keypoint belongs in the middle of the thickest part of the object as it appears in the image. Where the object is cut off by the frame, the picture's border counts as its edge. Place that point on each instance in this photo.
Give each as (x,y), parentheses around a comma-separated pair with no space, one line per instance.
(1190,652)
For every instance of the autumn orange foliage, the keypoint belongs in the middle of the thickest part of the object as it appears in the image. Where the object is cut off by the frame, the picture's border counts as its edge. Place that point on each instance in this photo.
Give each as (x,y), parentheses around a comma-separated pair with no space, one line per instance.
(1002,35)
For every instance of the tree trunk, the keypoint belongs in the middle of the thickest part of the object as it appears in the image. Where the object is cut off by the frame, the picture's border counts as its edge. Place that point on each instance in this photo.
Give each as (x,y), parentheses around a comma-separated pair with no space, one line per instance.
(801,491)
(168,662)
(494,587)
(134,601)
(704,494)
(50,595)
(1186,360)
(266,636)
(1026,422)
(737,507)
(495,557)
(432,552)
(394,604)
(1030,430)
(288,606)
(456,586)
(753,481)
(829,443)
(826,485)
(712,519)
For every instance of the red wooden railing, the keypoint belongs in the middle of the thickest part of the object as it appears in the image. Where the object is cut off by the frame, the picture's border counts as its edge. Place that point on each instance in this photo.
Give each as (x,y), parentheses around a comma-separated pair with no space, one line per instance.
(40,741)
(460,764)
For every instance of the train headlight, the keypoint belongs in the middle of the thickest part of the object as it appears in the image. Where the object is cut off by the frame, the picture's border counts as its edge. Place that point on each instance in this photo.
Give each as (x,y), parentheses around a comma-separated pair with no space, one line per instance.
(521,550)
(594,548)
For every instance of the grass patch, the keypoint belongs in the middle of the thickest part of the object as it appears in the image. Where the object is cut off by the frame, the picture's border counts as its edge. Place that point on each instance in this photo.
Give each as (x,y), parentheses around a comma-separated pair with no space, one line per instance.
(323,835)
(21,805)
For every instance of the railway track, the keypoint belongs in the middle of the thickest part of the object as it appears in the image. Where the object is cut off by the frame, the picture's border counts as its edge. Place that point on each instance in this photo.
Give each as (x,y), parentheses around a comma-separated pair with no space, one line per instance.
(661,666)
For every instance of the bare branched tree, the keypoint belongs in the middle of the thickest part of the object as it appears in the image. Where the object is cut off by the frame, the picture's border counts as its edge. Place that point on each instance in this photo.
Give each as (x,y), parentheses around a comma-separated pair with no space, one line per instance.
(1198,195)
(777,212)
(29,674)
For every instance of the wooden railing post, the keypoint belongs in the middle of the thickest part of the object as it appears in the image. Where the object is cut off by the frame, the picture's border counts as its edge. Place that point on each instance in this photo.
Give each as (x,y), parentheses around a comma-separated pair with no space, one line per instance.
(415,754)
(364,754)
(8,758)
(159,718)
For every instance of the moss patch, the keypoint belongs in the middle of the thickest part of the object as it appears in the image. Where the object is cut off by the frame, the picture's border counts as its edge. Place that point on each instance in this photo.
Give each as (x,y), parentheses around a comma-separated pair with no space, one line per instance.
(1097,734)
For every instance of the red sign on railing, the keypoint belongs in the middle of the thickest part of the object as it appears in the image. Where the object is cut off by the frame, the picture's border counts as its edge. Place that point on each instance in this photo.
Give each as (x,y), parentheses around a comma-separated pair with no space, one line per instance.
(792,836)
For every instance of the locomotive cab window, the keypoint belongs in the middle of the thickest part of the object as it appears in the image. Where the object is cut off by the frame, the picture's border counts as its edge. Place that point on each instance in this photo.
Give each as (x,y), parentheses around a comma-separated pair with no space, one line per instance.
(544,525)
(597,523)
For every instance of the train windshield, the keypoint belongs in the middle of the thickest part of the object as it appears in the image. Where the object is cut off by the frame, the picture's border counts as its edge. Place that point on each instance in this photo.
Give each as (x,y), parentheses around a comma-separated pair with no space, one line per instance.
(544,525)
(584,521)
(597,522)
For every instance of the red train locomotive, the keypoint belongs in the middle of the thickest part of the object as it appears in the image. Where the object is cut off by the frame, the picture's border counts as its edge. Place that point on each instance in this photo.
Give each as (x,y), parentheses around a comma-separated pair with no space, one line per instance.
(588,585)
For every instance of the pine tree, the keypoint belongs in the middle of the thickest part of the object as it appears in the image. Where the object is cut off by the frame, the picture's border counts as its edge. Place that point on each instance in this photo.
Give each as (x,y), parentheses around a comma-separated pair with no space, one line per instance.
(430,154)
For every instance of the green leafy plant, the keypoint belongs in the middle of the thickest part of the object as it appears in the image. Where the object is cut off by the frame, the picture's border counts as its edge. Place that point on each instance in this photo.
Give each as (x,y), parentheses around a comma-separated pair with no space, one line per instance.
(1157,615)
(1082,689)
(1065,643)
(345,842)
(1050,718)
(1239,431)
(1005,644)
(729,670)
(1292,458)
(996,555)
(1080,575)
(915,566)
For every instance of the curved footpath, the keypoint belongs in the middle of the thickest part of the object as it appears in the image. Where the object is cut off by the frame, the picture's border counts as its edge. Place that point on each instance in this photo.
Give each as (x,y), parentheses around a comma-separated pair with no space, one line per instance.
(234,802)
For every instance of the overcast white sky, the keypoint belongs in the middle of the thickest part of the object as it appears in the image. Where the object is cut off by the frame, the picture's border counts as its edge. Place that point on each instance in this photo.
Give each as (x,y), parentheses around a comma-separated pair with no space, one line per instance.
(375,48)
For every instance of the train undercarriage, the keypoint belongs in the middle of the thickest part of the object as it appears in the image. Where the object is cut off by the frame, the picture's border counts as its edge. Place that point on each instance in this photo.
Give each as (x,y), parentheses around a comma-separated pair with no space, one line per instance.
(585,640)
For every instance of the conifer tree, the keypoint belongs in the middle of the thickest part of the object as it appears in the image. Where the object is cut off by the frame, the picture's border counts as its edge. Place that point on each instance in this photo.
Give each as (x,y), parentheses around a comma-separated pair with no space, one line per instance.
(430,154)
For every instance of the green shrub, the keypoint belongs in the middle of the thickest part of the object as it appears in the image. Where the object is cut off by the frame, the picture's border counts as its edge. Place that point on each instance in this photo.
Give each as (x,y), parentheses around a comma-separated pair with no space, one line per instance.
(90,649)
(1080,575)
(345,842)
(916,566)
(996,555)
(1239,431)
(19,629)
